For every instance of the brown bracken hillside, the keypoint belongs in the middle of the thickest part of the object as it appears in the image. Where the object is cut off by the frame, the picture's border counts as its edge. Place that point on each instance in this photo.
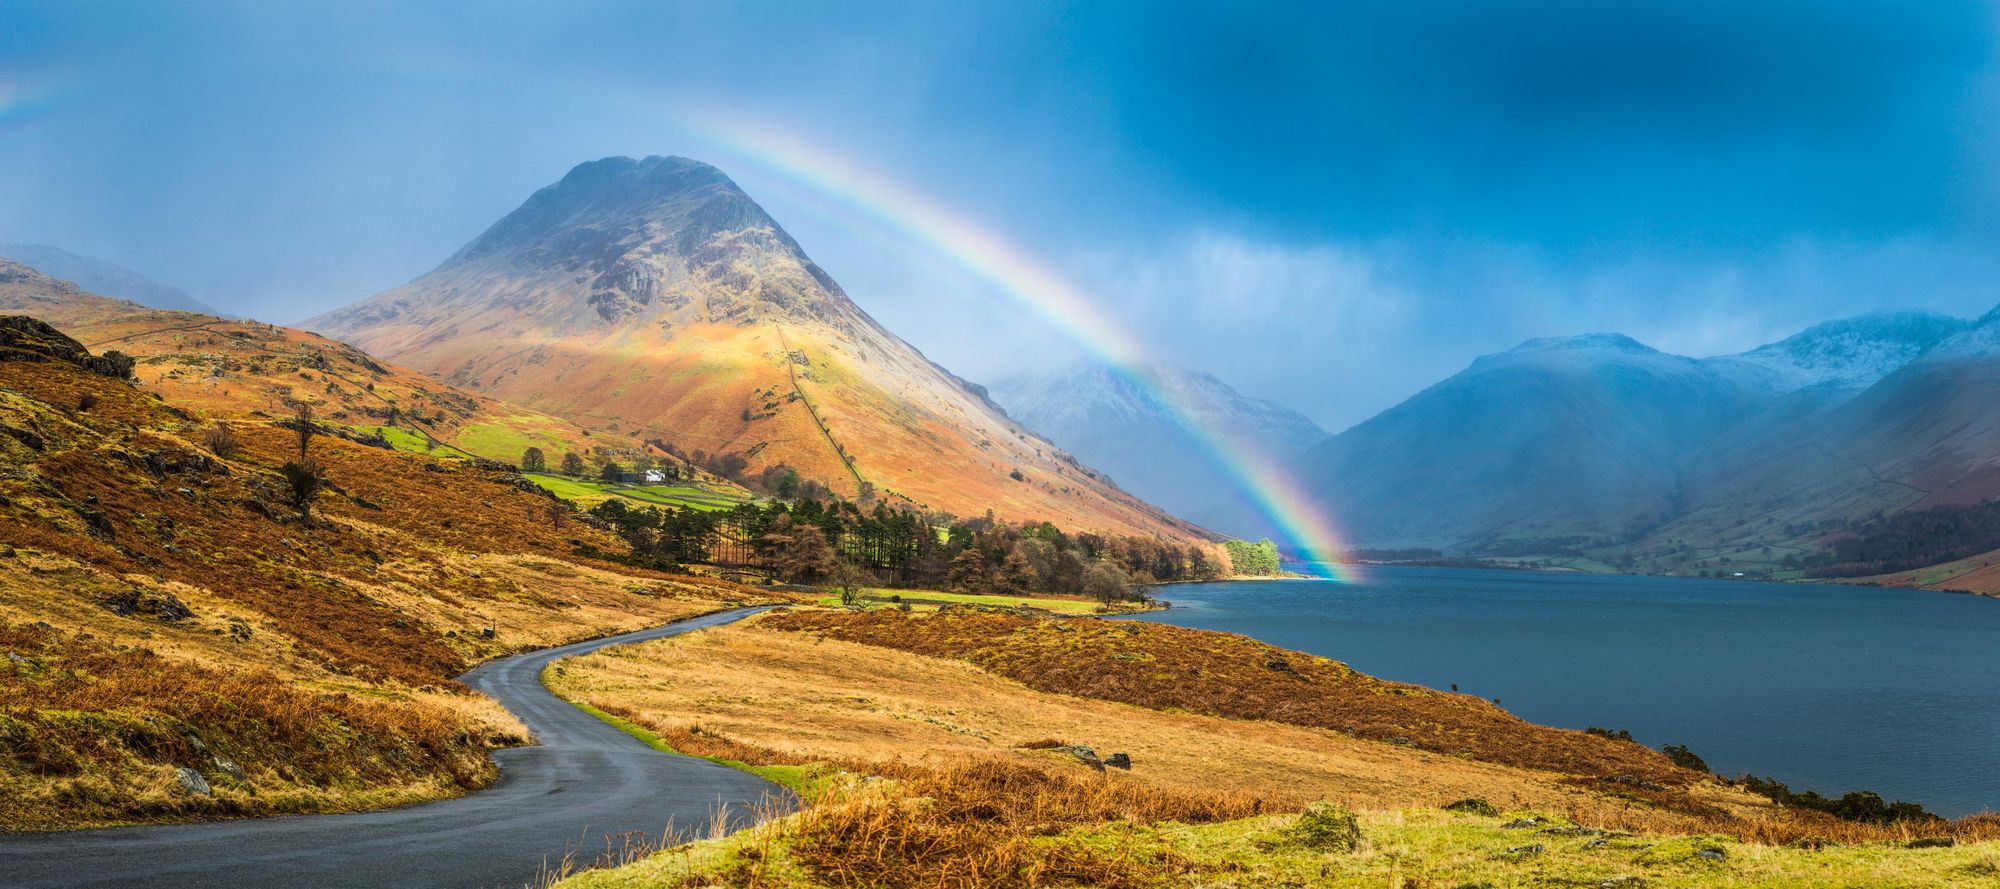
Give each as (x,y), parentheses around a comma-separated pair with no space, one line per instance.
(163,606)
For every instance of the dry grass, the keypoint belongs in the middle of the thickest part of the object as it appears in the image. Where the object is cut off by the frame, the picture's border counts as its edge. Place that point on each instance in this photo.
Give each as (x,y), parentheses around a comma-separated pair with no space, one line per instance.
(134,545)
(788,698)
(93,733)
(972,795)
(1170,668)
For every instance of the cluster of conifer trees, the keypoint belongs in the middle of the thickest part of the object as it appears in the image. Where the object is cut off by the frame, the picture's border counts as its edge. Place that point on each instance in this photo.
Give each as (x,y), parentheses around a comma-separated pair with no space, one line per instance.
(836,541)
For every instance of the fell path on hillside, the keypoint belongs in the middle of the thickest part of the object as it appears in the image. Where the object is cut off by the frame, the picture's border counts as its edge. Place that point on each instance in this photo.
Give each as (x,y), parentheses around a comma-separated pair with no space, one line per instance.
(584,785)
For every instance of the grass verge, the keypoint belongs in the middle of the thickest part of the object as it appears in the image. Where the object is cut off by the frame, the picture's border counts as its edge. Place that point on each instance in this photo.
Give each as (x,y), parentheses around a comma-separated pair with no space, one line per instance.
(797,779)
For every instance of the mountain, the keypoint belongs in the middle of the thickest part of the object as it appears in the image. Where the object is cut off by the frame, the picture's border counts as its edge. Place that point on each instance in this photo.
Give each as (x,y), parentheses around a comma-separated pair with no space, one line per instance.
(1598,444)
(654,297)
(1851,353)
(1537,443)
(103,277)
(1118,422)
(1925,434)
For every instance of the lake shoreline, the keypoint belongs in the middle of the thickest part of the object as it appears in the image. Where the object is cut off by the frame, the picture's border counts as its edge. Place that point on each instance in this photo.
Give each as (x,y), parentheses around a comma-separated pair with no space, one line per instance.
(1665,657)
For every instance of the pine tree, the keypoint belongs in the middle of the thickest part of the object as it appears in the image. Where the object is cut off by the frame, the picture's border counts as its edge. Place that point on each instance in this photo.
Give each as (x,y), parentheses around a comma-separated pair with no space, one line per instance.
(968,571)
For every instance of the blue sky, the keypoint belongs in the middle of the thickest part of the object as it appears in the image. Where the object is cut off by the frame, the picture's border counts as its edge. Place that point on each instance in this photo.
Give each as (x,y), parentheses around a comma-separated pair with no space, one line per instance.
(1329,205)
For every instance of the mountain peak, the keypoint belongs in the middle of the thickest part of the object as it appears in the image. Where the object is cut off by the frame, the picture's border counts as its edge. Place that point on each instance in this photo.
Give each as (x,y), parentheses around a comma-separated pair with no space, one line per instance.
(1615,342)
(1851,353)
(103,277)
(608,202)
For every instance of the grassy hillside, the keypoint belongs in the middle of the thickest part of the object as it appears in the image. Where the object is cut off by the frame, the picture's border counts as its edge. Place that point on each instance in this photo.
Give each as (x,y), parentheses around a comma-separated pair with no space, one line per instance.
(163,607)
(237,367)
(974,740)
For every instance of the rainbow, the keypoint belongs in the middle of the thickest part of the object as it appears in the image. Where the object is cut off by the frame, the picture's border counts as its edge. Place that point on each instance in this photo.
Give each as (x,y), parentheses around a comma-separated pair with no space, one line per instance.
(1036,287)
(20,100)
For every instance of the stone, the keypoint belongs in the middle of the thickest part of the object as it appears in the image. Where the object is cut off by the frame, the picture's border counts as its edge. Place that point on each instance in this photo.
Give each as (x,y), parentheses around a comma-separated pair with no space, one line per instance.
(229,767)
(1711,854)
(1083,755)
(1933,843)
(1473,806)
(193,782)
(1527,851)
(1522,823)
(1326,826)
(1621,882)
(1597,843)
(16,657)
(1119,761)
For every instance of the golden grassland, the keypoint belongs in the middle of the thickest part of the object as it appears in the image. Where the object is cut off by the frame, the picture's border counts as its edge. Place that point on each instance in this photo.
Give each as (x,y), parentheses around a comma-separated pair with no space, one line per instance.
(152,590)
(972,795)
(232,367)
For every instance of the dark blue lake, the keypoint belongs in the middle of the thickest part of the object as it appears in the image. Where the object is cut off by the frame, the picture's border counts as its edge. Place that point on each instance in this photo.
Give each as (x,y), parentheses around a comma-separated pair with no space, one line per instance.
(1831,688)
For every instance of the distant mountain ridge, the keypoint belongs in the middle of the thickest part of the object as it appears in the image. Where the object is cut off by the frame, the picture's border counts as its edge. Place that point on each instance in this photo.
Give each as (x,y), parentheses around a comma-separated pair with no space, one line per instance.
(653,296)
(1598,443)
(1118,423)
(103,277)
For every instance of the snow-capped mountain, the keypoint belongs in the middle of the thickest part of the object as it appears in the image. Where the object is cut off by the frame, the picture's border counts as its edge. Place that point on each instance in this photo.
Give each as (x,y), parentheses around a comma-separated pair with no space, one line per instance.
(1122,423)
(1598,438)
(1851,353)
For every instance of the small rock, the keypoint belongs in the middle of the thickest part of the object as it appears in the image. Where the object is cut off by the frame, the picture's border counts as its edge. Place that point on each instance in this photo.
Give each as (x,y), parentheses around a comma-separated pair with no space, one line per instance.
(1522,823)
(1598,843)
(1326,825)
(16,658)
(1573,831)
(1933,843)
(1621,882)
(229,767)
(193,782)
(1530,850)
(185,492)
(486,633)
(1119,761)
(1473,806)
(1711,854)
(1083,755)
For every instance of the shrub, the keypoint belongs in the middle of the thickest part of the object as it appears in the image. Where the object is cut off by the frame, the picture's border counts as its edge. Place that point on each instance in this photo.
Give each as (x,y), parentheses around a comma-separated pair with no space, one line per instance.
(303,482)
(222,441)
(1684,757)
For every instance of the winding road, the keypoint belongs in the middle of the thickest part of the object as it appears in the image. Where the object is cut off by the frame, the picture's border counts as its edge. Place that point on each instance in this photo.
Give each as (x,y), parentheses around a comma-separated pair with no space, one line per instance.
(585,785)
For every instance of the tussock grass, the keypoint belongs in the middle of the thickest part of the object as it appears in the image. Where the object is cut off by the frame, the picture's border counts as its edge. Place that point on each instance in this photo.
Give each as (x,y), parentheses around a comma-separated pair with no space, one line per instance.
(1171,668)
(91,733)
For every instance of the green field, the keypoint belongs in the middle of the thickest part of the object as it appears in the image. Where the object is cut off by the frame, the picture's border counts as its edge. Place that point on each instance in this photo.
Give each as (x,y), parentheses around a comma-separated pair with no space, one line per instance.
(590,492)
(505,439)
(399,438)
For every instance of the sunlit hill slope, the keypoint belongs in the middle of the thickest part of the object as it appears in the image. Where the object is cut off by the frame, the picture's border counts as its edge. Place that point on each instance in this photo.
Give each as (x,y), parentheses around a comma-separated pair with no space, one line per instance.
(166,610)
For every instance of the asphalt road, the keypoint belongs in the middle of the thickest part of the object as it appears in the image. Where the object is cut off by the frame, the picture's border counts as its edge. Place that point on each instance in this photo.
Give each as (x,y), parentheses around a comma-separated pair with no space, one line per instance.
(584,785)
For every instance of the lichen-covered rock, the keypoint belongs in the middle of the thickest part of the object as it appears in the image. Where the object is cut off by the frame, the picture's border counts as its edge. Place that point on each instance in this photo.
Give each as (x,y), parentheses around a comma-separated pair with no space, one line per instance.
(1326,826)
(192,782)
